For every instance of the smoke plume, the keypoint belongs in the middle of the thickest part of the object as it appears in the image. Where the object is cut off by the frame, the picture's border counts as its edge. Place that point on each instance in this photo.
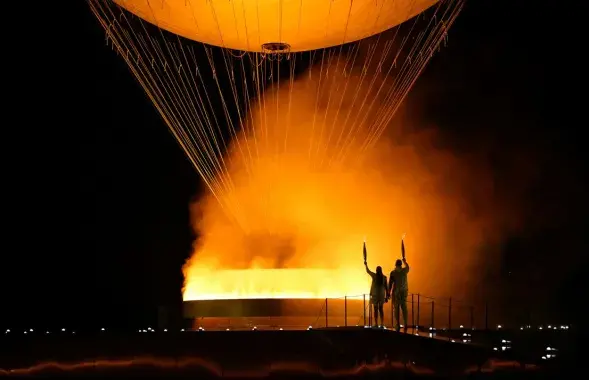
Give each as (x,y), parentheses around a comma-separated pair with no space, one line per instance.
(305,194)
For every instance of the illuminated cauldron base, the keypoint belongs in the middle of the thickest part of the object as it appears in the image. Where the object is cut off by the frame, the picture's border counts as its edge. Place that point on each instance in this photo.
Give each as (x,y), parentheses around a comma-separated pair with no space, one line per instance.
(274,314)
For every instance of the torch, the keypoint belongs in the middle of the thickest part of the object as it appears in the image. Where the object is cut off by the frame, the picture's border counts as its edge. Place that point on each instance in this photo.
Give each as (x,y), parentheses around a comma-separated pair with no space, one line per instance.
(364,251)
(403,246)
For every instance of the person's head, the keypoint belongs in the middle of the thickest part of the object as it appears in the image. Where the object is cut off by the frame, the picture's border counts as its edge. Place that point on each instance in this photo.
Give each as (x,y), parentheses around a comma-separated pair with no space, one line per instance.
(398,264)
(378,270)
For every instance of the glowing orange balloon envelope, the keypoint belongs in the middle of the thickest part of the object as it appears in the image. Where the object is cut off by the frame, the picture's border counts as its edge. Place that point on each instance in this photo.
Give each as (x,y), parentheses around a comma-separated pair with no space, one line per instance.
(302,24)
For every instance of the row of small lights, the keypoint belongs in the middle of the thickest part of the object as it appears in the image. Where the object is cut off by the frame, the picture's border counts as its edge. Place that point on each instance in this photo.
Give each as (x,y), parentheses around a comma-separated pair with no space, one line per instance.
(8,331)
(505,344)
(549,327)
(499,327)
(149,329)
(431,329)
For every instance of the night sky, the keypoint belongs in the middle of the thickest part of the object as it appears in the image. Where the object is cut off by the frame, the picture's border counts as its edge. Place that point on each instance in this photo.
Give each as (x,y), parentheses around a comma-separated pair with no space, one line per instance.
(97,190)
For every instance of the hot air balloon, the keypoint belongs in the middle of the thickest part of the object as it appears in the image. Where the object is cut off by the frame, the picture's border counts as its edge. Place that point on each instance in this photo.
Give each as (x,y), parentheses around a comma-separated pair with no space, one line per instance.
(223,76)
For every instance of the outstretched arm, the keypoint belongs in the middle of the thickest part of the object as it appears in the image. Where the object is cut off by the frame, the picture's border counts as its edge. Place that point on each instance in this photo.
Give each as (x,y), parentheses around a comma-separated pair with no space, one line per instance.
(406,265)
(371,273)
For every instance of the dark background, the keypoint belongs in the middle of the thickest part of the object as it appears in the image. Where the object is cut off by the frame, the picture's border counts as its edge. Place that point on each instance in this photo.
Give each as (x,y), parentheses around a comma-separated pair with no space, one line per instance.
(96,190)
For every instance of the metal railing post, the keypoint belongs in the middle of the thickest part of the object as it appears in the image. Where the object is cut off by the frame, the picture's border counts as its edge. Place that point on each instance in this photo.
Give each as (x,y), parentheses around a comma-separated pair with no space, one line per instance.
(418,302)
(450,313)
(364,303)
(432,324)
(412,311)
(346,311)
(326,312)
(369,314)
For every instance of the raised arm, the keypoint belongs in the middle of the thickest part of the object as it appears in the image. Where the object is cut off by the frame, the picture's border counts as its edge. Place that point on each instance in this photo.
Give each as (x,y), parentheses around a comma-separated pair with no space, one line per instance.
(371,273)
(406,265)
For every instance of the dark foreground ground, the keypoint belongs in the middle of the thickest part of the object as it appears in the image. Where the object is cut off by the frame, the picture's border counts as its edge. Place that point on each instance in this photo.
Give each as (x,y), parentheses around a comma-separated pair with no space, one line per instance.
(335,353)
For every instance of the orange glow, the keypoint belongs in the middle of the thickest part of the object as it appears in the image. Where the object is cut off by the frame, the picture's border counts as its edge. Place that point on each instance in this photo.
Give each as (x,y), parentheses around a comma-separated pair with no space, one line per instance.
(305,368)
(303,24)
(301,222)
(274,283)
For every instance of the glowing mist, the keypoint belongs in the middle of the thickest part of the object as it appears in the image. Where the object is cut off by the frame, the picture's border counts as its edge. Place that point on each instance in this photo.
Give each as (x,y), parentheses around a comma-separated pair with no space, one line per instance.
(302,216)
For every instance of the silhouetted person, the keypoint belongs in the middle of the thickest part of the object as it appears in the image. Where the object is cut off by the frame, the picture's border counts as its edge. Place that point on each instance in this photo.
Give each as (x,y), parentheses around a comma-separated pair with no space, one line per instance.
(400,289)
(378,293)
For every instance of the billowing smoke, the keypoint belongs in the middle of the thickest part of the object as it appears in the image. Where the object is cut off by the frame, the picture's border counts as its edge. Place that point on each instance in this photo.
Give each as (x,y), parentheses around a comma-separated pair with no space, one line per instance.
(304,194)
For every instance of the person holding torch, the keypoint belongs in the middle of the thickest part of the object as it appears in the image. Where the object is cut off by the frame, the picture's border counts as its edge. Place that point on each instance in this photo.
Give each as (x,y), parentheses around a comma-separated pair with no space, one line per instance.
(378,290)
(399,286)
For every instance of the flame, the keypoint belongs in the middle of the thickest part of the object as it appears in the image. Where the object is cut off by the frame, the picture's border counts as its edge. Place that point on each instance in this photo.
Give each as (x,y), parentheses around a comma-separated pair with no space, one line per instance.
(208,284)
(299,221)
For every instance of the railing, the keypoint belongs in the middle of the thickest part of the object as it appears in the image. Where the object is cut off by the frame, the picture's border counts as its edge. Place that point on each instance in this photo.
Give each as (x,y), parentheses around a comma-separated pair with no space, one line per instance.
(423,312)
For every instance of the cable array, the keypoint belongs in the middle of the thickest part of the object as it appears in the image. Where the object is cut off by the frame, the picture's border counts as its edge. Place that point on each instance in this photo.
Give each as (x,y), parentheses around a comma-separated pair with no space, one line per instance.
(207,95)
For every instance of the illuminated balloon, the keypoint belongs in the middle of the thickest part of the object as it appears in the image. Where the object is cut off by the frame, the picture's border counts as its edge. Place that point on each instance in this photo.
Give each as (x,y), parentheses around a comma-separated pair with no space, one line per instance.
(300,24)
(272,135)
